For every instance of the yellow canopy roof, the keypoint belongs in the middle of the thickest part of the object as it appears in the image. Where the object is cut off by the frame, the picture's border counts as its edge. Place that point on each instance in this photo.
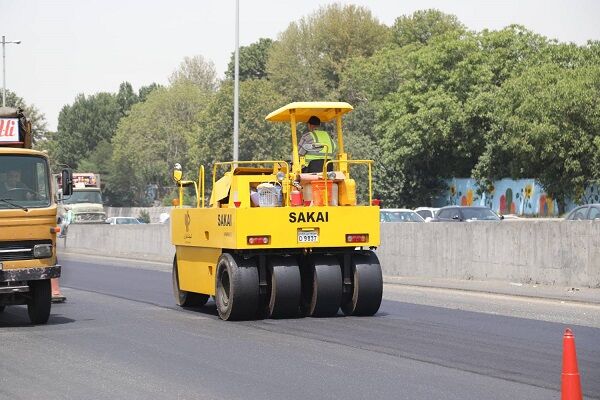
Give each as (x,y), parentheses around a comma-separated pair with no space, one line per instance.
(325,110)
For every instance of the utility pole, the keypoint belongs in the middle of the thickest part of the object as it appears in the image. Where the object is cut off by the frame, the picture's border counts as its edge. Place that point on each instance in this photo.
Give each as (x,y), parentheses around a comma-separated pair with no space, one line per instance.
(236,87)
(4,42)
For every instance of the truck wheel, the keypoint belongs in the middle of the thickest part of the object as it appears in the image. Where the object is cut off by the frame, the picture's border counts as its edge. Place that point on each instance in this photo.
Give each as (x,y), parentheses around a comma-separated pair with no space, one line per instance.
(367,286)
(322,287)
(237,288)
(38,305)
(183,298)
(285,287)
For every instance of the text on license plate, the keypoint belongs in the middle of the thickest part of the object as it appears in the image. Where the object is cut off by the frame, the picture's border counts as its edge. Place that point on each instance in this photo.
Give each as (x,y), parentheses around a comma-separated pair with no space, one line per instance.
(308,236)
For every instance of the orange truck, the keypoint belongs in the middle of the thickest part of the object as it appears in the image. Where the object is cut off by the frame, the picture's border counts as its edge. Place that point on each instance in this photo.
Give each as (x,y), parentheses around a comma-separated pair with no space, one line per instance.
(28,223)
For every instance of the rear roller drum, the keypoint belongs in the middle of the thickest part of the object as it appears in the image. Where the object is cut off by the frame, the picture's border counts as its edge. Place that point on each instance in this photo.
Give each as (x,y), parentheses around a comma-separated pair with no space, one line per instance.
(367,286)
(183,298)
(285,287)
(237,288)
(322,287)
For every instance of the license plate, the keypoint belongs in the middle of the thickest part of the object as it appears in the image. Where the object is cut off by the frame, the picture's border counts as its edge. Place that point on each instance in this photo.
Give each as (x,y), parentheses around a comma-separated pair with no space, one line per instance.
(308,236)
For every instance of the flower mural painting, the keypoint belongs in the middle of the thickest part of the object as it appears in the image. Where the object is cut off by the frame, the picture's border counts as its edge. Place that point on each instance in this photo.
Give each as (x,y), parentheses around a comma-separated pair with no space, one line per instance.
(505,196)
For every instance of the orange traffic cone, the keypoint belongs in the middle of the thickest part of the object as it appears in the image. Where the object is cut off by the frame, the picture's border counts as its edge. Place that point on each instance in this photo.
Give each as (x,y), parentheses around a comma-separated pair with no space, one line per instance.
(571,385)
(57,296)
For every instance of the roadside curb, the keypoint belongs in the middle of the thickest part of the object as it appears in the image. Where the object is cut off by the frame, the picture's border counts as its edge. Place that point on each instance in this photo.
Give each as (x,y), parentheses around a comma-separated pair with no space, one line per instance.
(514,289)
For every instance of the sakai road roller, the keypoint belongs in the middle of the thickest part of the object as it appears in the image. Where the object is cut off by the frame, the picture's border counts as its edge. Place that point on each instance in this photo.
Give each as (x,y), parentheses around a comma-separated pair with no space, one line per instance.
(276,242)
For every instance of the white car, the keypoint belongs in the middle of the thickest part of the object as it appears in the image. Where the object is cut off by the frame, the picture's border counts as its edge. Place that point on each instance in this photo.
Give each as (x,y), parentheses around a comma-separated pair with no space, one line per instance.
(122,221)
(399,215)
(428,213)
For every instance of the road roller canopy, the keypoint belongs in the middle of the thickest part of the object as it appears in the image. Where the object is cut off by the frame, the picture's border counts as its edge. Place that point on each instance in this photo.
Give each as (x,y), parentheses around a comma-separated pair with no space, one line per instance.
(324,110)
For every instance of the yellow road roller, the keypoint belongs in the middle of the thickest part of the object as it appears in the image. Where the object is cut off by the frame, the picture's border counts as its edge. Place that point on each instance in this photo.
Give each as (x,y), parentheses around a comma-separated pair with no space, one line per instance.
(276,242)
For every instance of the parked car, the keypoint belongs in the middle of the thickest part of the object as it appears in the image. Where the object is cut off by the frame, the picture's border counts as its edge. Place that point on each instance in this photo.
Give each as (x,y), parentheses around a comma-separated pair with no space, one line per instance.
(428,213)
(399,215)
(122,221)
(585,212)
(466,214)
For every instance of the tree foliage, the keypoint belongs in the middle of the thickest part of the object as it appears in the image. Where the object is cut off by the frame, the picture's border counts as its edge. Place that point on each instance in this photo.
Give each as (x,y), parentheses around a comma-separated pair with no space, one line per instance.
(308,59)
(432,101)
(252,61)
(424,25)
(153,137)
(198,71)
(37,119)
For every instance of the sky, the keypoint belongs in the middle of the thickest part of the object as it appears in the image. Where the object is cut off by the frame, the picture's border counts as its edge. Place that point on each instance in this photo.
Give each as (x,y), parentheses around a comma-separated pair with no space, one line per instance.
(88,46)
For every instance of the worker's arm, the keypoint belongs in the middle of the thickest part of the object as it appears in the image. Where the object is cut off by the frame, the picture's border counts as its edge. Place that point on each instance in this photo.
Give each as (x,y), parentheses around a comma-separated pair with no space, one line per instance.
(306,145)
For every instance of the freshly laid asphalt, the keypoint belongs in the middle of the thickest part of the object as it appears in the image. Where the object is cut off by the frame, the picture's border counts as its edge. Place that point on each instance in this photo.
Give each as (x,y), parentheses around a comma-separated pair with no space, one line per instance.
(119,335)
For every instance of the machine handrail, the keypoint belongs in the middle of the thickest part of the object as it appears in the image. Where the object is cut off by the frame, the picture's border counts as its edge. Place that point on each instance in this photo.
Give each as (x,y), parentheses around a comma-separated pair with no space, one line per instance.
(359,162)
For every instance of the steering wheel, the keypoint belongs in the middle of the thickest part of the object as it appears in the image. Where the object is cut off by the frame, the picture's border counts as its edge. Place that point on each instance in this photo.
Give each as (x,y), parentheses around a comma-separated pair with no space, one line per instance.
(25,191)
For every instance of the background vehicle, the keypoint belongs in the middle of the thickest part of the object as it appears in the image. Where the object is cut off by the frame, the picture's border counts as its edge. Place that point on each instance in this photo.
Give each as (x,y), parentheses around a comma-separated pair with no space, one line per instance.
(123,221)
(585,212)
(267,247)
(399,215)
(465,214)
(428,213)
(84,206)
(27,219)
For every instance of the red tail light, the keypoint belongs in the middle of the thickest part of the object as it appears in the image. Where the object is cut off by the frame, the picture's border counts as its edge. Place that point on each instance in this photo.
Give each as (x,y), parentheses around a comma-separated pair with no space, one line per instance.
(259,239)
(360,238)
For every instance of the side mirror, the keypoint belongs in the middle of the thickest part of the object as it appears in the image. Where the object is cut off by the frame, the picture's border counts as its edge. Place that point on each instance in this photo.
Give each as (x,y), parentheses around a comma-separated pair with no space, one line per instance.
(177,173)
(67,182)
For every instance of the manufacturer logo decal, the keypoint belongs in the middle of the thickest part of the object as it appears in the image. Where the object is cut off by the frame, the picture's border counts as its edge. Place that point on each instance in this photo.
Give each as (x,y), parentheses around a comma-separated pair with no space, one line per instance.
(224,219)
(311,216)
(187,220)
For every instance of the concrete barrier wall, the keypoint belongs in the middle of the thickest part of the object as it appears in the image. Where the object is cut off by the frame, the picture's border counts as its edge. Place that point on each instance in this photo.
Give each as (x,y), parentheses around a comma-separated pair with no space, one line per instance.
(548,252)
(153,212)
(146,241)
(565,253)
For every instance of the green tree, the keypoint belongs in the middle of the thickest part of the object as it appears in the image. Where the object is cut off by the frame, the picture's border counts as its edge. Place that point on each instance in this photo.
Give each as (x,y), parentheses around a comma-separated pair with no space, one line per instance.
(252,61)
(198,71)
(258,139)
(546,125)
(152,138)
(308,59)
(35,116)
(83,124)
(423,25)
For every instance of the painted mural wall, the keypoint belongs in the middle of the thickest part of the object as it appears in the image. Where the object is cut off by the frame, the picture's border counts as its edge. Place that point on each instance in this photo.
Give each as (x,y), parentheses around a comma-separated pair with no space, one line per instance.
(508,196)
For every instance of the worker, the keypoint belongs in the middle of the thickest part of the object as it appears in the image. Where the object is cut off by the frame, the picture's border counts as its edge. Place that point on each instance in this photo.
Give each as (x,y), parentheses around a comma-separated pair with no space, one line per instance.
(315,145)
(13,187)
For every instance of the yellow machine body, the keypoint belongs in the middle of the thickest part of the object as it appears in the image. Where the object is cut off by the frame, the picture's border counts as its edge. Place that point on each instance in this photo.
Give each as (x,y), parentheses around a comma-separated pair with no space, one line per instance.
(253,216)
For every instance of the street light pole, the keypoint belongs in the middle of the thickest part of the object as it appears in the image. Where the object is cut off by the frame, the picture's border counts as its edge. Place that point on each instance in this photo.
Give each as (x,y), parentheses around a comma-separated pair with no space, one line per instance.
(236,86)
(4,42)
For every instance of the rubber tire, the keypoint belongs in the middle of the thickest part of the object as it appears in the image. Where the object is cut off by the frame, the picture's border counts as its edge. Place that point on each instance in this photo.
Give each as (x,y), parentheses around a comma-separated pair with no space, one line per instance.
(367,286)
(237,290)
(183,298)
(322,287)
(40,301)
(285,287)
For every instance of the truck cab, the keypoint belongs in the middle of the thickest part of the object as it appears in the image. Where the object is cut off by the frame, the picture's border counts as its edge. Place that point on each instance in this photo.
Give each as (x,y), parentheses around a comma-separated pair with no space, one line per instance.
(84,205)
(27,219)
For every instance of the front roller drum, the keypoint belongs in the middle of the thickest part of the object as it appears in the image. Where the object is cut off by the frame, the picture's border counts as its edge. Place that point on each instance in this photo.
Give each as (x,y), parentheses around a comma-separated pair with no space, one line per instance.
(322,287)
(367,286)
(183,298)
(237,290)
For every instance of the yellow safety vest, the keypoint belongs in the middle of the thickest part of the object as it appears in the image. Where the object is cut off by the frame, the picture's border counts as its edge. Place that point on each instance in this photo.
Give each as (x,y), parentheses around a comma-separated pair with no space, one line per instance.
(321,137)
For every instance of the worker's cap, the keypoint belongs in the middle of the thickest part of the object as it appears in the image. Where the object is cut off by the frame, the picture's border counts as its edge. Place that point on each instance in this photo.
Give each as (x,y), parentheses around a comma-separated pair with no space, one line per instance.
(314,120)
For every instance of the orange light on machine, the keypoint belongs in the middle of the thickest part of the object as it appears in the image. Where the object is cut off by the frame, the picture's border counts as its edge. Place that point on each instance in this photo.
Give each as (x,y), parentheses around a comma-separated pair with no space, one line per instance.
(259,239)
(55,229)
(357,238)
